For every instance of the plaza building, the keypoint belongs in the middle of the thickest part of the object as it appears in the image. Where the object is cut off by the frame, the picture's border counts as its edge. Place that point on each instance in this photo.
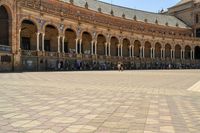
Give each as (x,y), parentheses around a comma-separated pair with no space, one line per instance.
(42,35)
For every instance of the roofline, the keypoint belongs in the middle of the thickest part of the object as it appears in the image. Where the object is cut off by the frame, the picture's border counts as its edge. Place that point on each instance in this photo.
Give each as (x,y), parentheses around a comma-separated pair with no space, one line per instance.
(126,7)
(186,26)
(180,4)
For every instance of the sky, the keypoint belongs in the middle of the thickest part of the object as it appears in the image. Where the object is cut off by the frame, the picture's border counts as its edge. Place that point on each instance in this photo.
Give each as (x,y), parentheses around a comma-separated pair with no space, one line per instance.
(146,5)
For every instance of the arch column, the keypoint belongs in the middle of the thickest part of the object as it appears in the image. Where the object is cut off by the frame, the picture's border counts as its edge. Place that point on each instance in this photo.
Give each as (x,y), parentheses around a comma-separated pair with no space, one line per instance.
(192,54)
(132,51)
(80,46)
(142,52)
(106,49)
(121,50)
(109,49)
(63,44)
(43,35)
(38,41)
(77,40)
(92,47)
(95,49)
(183,54)
(58,44)
(19,39)
(152,52)
(118,50)
(172,54)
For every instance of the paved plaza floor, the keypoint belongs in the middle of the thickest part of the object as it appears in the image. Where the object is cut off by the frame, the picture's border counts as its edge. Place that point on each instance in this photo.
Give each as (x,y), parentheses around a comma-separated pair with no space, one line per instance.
(100,102)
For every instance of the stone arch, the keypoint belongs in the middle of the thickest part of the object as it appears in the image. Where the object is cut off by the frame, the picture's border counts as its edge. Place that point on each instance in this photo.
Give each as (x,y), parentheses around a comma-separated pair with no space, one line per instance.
(52,24)
(137,45)
(114,42)
(197,52)
(86,31)
(158,47)
(101,40)
(70,40)
(177,51)
(72,28)
(86,42)
(28,35)
(168,50)
(51,38)
(5,25)
(147,49)
(30,19)
(187,52)
(126,44)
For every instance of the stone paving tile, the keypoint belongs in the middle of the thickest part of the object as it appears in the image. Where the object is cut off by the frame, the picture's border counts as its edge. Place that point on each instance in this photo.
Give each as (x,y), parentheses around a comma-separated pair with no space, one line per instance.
(100,102)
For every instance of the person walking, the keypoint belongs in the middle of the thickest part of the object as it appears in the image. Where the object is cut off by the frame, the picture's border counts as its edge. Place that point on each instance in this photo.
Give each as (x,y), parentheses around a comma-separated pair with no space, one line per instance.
(119,66)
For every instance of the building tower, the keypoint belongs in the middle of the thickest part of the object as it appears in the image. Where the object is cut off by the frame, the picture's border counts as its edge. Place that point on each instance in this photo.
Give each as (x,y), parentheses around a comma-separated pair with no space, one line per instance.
(189,12)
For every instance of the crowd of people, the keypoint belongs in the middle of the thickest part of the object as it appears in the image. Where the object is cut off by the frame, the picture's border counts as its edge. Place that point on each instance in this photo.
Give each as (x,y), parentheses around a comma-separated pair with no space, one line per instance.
(87,65)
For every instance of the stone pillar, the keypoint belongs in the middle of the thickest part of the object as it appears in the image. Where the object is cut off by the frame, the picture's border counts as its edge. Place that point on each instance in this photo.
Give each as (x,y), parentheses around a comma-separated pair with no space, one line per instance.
(163,53)
(171,53)
(151,52)
(58,44)
(77,46)
(106,49)
(95,44)
(43,41)
(63,44)
(183,54)
(109,49)
(38,41)
(141,51)
(19,39)
(80,44)
(154,53)
(132,51)
(92,47)
(193,54)
(118,50)
(121,50)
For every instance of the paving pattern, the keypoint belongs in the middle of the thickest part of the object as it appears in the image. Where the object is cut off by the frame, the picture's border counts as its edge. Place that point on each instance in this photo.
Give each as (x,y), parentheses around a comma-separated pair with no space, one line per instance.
(100,102)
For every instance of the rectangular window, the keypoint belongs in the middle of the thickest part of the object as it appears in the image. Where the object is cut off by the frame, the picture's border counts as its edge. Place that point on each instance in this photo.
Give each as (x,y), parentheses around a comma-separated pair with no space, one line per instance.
(6,58)
(26,43)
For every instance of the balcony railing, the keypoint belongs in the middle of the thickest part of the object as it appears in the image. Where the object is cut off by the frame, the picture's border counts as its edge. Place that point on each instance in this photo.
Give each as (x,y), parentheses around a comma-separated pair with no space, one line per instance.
(5,48)
(29,53)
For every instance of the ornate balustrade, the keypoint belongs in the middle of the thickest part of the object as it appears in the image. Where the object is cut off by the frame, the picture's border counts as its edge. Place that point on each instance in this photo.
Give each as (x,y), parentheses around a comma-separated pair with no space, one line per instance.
(29,53)
(87,56)
(51,54)
(70,55)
